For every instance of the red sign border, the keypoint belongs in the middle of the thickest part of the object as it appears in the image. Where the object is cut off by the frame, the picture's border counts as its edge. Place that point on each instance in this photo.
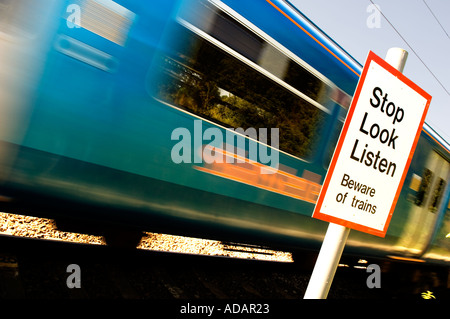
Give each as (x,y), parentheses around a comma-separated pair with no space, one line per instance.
(317,214)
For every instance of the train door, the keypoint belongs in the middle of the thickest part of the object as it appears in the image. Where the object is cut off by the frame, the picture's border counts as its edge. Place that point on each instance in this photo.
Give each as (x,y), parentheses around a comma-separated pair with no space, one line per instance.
(424,211)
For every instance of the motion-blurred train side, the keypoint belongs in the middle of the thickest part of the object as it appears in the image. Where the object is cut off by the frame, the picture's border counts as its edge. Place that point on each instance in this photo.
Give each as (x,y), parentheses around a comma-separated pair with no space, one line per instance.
(92,93)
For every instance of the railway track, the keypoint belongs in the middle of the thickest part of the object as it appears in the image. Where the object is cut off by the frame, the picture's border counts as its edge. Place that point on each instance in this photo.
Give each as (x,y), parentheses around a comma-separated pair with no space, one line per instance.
(32,268)
(133,274)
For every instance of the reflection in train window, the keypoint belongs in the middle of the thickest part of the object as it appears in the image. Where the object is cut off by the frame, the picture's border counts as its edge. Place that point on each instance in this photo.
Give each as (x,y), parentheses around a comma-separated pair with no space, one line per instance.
(20,17)
(231,33)
(211,83)
(204,79)
(235,32)
(437,195)
(424,187)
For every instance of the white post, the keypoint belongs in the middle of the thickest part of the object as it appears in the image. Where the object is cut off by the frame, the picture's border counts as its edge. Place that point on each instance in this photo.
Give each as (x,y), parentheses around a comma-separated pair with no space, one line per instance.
(397,58)
(336,236)
(327,262)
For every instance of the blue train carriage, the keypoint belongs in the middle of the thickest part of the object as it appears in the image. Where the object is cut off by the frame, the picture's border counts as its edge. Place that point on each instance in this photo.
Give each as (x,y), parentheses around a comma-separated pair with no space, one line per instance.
(129,112)
(427,194)
(419,229)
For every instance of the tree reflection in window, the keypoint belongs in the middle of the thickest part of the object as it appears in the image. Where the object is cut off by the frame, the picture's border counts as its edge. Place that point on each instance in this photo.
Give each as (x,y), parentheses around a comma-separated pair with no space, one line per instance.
(424,187)
(437,195)
(209,82)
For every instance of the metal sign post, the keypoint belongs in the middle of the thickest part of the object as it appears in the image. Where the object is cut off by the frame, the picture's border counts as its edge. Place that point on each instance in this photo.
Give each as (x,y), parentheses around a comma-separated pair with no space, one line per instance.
(327,262)
(336,235)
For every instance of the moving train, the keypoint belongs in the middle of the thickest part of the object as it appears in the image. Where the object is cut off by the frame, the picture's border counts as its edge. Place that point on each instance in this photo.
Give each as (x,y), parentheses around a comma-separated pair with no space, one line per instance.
(205,118)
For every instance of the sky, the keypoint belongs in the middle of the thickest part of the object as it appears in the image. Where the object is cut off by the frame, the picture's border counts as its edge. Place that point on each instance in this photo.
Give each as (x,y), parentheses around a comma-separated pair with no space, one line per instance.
(424,29)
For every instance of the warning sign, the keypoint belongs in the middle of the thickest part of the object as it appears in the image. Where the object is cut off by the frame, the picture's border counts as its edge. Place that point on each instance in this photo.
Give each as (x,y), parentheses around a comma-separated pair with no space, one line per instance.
(374,150)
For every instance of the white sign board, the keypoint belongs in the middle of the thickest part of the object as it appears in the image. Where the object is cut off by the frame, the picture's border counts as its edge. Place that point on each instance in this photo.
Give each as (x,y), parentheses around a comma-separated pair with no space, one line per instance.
(374,150)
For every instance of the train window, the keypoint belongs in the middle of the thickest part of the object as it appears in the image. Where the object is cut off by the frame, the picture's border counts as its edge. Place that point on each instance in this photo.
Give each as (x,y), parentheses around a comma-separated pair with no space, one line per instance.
(424,187)
(19,17)
(209,82)
(334,136)
(437,195)
(262,50)
(107,19)
(415,182)
(224,72)
(233,34)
